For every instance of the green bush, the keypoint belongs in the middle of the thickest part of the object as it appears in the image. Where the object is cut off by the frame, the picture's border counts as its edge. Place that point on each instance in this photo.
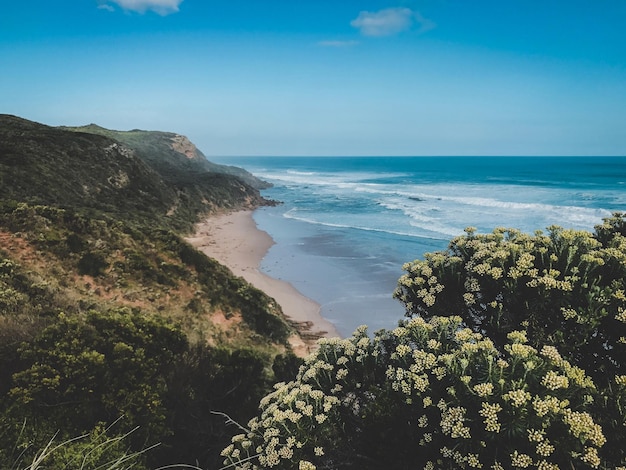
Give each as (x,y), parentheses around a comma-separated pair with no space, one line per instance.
(92,264)
(84,370)
(426,395)
(565,288)
(25,297)
(209,381)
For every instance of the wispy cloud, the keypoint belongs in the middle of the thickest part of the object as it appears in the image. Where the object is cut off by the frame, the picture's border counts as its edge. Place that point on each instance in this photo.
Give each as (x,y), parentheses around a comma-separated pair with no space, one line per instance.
(391,21)
(332,43)
(162,7)
(105,6)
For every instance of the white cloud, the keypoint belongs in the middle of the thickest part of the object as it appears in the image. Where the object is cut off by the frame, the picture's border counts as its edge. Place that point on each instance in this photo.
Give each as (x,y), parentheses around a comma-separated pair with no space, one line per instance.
(106,7)
(390,21)
(333,43)
(162,7)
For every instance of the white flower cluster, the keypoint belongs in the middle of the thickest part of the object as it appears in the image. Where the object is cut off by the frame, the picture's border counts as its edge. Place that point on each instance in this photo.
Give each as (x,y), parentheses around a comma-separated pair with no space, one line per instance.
(552,354)
(519,460)
(517,398)
(582,427)
(483,389)
(459,392)
(553,380)
(452,423)
(490,411)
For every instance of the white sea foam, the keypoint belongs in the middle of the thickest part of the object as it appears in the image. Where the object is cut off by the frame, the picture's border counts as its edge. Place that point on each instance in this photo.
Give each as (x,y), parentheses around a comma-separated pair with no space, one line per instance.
(349,180)
(419,206)
(434,214)
(294,215)
(305,173)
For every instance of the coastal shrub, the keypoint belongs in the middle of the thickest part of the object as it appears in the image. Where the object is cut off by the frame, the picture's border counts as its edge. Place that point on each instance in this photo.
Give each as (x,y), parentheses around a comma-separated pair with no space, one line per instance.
(25,298)
(74,376)
(262,314)
(286,366)
(429,394)
(566,288)
(75,243)
(92,264)
(82,370)
(207,384)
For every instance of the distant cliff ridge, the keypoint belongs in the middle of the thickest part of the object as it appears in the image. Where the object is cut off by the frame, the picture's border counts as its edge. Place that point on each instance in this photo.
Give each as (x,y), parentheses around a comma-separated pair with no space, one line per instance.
(170,153)
(138,174)
(182,144)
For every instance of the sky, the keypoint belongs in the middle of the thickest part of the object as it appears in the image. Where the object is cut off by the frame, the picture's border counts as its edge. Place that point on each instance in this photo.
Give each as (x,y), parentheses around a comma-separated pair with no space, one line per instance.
(327,77)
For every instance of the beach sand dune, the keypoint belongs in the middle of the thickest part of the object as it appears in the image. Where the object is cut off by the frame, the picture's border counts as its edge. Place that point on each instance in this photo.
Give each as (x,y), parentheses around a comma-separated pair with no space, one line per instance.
(234,240)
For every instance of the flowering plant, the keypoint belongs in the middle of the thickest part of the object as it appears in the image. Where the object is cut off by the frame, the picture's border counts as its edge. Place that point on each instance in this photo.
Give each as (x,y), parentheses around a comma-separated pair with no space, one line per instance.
(429,394)
(566,288)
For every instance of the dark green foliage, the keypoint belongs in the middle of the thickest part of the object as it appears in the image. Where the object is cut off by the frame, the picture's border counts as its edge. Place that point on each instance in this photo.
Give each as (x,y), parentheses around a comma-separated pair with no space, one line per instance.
(75,244)
(25,309)
(23,296)
(101,448)
(81,371)
(261,315)
(286,366)
(92,264)
(209,385)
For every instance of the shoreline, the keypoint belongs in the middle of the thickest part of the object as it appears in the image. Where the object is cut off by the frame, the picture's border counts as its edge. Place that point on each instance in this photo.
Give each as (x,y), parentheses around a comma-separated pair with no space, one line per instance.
(235,241)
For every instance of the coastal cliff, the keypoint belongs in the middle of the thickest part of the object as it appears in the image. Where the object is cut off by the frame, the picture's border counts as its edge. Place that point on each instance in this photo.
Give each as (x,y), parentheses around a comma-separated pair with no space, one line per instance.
(94,271)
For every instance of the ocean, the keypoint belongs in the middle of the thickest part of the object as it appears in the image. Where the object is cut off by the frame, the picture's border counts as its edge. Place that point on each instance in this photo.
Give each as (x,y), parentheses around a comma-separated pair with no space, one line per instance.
(346,225)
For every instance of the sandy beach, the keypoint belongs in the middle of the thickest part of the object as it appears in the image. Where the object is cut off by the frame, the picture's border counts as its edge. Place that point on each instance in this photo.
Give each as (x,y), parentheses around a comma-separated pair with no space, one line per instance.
(234,240)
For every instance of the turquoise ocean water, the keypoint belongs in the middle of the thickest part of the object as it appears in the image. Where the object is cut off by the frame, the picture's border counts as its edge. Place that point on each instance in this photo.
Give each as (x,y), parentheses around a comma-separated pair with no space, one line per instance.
(347,224)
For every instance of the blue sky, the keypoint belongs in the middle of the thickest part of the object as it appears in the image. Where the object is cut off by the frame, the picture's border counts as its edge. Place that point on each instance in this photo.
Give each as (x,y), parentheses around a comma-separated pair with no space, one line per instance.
(370,77)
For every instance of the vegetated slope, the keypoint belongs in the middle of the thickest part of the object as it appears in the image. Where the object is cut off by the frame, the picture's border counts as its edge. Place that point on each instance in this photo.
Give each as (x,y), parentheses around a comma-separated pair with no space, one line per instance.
(44,165)
(96,212)
(172,155)
(90,235)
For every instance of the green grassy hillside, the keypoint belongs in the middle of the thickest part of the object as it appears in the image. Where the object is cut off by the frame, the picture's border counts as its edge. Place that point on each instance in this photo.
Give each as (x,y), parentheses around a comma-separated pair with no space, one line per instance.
(94,273)
(172,155)
(149,181)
